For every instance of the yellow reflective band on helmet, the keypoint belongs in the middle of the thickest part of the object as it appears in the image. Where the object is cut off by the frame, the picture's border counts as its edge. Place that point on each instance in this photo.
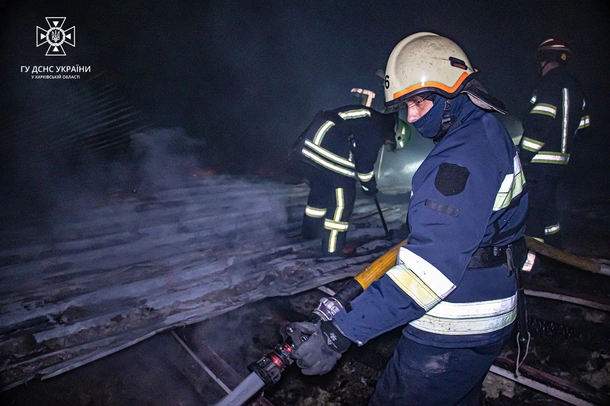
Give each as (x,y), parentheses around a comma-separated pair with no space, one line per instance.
(314,212)
(584,122)
(511,187)
(468,318)
(531,145)
(324,128)
(544,109)
(346,115)
(551,158)
(365,177)
(550,230)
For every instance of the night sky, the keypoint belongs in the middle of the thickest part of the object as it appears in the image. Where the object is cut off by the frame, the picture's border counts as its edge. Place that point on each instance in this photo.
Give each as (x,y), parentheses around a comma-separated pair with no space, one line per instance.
(246,77)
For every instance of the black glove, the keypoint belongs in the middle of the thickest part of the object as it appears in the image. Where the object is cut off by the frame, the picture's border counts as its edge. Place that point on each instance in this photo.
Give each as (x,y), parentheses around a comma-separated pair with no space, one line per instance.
(317,347)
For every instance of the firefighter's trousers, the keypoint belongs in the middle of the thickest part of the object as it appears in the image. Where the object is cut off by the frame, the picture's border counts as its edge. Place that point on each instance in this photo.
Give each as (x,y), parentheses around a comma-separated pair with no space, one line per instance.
(329,208)
(423,375)
(543,218)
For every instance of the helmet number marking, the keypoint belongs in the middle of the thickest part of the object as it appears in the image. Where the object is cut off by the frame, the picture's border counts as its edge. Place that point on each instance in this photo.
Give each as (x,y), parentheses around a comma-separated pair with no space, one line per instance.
(387,82)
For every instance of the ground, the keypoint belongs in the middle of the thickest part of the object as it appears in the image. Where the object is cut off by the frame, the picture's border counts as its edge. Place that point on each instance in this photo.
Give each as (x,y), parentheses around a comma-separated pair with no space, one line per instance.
(568,341)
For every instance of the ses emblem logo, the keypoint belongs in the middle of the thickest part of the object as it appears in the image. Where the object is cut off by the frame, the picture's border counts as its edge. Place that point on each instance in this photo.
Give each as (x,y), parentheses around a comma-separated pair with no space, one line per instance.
(56,36)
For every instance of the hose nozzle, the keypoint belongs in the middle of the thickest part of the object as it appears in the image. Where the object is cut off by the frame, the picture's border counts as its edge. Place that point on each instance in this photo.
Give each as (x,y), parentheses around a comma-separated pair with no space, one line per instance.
(269,368)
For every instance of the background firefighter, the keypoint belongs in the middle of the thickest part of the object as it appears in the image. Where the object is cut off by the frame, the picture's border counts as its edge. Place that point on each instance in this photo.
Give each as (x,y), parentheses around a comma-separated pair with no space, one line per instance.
(557,116)
(454,285)
(338,147)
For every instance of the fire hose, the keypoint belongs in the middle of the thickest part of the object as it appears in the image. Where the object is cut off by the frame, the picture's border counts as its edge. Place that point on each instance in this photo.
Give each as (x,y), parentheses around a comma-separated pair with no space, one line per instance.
(268,369)
(385,226)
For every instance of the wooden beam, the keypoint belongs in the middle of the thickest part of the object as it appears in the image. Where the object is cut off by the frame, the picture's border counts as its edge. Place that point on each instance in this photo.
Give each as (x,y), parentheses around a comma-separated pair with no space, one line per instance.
(584,263)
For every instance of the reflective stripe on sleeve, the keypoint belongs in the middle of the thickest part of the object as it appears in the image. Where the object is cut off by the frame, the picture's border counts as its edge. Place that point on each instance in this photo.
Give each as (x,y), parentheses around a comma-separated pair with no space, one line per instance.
(531,145)
(365,177)
(324,128)
(468,318)
(359,113)
(314,212)
(419,279)
(551,158)
(511,187)
(544,109)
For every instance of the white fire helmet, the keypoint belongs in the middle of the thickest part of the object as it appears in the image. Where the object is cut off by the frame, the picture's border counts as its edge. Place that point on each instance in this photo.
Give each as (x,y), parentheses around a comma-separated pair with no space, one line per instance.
(426,62)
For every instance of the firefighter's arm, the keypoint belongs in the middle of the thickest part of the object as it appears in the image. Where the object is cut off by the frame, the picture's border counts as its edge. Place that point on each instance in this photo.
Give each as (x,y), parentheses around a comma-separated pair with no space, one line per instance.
(365,155)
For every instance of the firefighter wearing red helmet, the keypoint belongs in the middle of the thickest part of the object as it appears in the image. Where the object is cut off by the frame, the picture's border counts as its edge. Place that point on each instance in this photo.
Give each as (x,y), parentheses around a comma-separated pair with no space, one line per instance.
(557,116)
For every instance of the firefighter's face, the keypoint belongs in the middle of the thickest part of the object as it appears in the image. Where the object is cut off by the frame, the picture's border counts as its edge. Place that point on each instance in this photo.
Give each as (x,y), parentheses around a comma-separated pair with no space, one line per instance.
(417,107)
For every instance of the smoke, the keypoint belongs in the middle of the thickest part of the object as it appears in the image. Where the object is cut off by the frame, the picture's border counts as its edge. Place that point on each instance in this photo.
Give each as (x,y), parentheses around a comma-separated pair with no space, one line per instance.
(165,158)
(57,187)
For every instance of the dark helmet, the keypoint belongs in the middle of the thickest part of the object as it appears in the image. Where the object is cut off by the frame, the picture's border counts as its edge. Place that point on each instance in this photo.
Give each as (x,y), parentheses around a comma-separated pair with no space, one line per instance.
(553,50)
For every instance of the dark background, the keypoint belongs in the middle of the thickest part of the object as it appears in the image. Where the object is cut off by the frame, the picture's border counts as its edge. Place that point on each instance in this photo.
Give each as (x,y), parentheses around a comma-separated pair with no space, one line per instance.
(247,76)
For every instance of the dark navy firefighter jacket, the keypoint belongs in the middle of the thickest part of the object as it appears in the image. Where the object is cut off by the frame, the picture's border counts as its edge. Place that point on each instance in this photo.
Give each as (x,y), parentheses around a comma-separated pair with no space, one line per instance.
(468,193)
(347,140)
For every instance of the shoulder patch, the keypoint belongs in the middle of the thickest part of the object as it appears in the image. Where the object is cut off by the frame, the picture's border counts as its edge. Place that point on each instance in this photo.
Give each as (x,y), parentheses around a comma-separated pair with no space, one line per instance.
(451,179)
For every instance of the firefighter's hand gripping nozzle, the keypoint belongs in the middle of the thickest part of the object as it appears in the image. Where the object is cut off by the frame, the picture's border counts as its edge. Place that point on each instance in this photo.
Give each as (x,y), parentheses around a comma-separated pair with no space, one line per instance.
(270,367)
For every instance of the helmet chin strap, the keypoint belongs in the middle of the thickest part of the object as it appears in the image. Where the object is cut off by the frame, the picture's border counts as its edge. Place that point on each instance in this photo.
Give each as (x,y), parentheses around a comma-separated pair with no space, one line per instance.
(446,122)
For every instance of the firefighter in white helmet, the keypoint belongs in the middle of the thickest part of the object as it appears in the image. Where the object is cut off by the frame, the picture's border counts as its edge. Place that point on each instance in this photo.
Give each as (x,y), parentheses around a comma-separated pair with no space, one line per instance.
(454,286)
(557,116)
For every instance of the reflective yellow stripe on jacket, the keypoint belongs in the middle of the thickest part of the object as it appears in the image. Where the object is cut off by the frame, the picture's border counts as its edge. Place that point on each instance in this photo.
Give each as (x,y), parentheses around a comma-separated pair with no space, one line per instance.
(422,281)
(511,187)
(468,318)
